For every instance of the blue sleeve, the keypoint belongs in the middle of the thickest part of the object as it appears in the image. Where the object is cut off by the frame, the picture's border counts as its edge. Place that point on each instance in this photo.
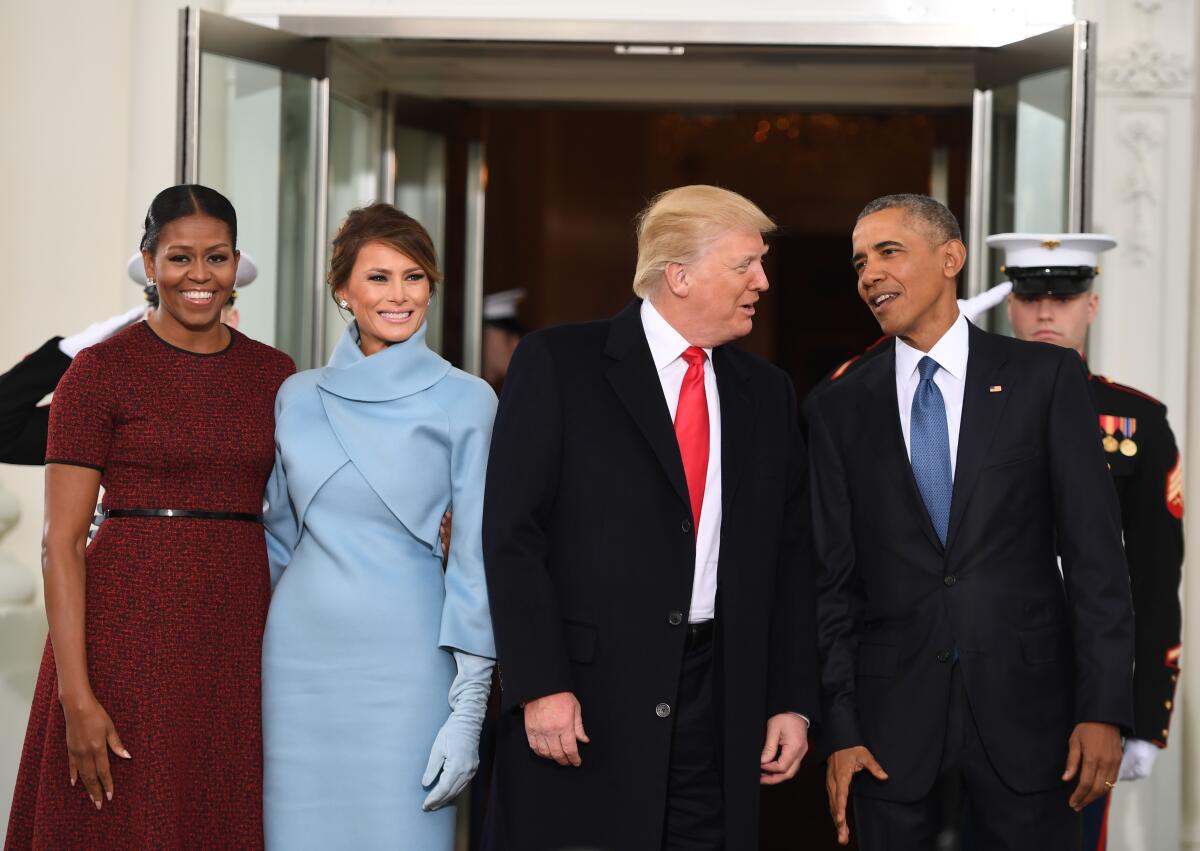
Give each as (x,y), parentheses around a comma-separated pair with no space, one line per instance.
(466,619)
(279,515)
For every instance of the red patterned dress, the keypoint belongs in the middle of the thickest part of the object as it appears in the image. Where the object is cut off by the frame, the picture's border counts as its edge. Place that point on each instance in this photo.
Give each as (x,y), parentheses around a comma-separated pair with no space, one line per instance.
(175,606)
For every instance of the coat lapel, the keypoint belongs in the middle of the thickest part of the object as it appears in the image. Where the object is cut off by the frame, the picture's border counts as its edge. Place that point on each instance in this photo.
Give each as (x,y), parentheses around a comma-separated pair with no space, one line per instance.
(981,413)
(394,446)
(884,406)
(635,380)
(737,420)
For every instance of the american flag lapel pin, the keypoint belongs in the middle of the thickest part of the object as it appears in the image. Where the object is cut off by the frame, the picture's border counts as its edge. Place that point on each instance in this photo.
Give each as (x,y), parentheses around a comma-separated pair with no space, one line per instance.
(995,388)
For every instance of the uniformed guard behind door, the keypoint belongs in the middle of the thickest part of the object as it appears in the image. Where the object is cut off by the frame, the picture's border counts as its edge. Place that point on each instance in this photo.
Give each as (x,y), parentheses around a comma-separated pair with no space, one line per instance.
(1054,301)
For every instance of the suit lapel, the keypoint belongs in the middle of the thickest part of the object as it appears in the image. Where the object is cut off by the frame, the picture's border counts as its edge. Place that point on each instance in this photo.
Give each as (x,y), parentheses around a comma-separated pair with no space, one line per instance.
(635,380)
(884,407)
(981,413)
(737,419)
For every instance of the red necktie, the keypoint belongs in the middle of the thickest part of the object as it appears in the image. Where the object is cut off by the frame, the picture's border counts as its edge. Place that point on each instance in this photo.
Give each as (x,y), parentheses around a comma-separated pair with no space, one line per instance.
(691,429)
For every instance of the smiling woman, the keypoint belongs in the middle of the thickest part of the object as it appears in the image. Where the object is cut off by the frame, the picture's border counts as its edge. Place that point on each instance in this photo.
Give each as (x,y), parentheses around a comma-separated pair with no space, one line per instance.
(190,252)
(151,674)
(371,638)
(384,271)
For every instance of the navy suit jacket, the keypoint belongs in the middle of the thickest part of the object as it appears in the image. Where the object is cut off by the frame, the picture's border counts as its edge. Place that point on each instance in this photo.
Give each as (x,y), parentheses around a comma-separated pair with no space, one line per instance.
(1040,650)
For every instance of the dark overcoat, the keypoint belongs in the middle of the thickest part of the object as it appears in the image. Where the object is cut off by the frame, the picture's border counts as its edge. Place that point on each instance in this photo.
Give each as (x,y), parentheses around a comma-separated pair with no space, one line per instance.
(590,550)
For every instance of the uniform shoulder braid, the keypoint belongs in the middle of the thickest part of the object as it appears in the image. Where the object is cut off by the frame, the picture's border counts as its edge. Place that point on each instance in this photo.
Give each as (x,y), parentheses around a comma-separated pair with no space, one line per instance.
(1106,382)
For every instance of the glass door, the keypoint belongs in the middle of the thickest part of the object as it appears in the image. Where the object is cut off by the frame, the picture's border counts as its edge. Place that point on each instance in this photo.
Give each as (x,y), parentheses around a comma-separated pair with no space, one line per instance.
(254,124)
(1031,163)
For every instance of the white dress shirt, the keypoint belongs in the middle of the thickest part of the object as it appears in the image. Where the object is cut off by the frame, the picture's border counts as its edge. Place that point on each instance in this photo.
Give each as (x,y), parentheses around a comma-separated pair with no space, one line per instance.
(666,348)
(951,354)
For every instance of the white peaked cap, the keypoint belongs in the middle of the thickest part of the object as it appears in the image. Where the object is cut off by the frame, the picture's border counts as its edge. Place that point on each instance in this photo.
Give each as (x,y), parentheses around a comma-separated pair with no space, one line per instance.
(1025,250)
(247,270)
(502,305)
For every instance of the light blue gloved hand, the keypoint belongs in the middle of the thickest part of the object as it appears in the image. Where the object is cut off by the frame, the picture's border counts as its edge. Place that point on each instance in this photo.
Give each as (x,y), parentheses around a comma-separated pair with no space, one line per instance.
(455,754)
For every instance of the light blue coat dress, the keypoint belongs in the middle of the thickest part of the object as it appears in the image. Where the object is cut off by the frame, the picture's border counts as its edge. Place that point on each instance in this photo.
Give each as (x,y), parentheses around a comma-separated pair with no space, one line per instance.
(370,452)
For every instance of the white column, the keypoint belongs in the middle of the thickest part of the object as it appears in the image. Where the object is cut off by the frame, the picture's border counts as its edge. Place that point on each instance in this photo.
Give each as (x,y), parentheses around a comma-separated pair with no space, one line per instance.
(1144,183)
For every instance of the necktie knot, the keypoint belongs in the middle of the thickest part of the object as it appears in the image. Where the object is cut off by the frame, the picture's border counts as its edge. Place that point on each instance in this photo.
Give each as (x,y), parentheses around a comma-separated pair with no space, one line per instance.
(928,368)
(694,356)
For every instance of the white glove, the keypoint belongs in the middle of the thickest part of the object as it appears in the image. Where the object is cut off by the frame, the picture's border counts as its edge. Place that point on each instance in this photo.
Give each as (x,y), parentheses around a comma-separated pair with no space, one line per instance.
(976,306)
(455,754)
(1138,759)
(98,332)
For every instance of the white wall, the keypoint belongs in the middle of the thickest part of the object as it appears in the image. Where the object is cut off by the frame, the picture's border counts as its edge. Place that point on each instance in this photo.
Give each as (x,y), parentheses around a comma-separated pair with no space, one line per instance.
(64,230)
(1144,185)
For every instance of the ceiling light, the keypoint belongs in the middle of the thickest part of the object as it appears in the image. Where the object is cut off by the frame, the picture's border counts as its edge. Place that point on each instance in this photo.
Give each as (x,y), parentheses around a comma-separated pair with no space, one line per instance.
(648,49)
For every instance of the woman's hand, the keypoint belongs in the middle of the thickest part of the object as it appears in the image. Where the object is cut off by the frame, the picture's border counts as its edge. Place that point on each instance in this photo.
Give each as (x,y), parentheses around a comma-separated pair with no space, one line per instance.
(90,734)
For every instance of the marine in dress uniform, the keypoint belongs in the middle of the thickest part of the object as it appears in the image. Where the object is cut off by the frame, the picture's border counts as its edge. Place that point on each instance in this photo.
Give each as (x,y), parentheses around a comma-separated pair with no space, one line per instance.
(1053,300)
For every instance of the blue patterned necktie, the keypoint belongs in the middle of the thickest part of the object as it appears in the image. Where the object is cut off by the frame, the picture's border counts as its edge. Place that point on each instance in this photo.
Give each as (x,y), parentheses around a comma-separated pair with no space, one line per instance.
(929,438)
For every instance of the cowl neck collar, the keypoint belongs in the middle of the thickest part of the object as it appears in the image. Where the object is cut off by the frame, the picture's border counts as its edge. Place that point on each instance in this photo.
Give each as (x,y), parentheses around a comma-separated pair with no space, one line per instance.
(399,370)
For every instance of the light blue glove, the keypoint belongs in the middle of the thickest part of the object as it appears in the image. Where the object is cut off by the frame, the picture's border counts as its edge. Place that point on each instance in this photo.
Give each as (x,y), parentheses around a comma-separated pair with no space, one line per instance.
(455,754)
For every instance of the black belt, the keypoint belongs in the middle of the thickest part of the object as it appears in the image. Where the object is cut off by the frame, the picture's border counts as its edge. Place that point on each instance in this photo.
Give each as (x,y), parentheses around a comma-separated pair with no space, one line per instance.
(110,513)
(699,634)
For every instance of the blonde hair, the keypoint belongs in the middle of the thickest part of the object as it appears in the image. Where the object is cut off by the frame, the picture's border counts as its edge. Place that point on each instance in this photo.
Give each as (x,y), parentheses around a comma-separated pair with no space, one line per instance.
(681,224)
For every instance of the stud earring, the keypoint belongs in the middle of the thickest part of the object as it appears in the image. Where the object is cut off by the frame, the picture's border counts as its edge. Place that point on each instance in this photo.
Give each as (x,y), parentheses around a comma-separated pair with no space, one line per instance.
(343,304)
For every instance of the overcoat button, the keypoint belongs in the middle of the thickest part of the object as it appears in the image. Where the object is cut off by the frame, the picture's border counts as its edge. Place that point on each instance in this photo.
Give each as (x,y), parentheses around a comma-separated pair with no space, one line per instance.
(662,710)
(949,581)
(675,618)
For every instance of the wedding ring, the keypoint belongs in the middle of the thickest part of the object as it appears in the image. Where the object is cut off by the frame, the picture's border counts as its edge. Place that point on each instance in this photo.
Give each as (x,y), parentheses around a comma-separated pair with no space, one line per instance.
(1110,784)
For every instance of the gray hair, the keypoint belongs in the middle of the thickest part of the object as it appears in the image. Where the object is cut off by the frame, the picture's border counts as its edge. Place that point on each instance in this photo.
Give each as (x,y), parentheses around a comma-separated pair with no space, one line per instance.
(933,214)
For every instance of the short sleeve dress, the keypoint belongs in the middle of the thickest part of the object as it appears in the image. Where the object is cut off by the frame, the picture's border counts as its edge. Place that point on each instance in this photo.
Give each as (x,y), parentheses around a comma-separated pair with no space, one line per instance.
(175,606)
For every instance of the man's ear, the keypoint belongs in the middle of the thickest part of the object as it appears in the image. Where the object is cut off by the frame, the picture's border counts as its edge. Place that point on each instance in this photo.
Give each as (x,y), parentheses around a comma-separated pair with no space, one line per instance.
(954,257)
(676,278)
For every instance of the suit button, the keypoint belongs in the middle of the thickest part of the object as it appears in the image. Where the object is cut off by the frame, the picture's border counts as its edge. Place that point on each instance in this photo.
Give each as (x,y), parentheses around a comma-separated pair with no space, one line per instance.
(949,581)
(944,656)
(662,710)
(675,618)
(686,525)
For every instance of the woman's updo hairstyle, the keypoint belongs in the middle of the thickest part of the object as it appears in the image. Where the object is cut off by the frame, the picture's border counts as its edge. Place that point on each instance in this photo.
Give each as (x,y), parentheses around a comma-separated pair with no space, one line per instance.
(191,199)
(381,223)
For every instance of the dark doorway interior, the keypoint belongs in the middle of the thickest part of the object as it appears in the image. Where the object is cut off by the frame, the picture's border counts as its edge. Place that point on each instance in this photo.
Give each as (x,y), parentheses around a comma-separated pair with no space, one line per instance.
(564,186)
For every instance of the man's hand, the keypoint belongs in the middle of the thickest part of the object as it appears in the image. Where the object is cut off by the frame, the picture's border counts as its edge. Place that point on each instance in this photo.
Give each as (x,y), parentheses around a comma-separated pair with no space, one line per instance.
(554,726)
(787,743)
(843,765)
(1094,753)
